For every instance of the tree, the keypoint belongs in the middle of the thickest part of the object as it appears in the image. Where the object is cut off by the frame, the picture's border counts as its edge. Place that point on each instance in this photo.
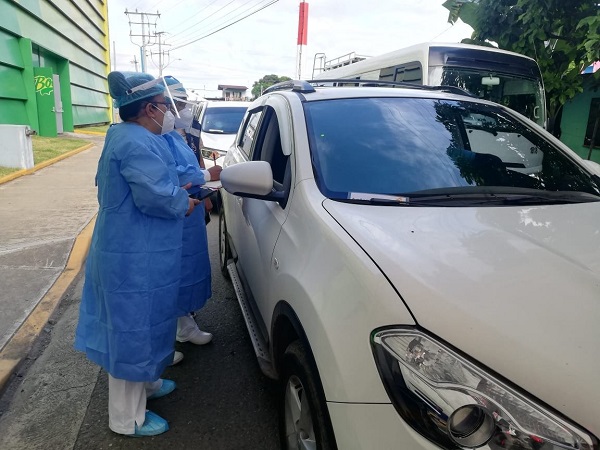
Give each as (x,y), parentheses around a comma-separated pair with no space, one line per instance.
(563,36)
(268,80)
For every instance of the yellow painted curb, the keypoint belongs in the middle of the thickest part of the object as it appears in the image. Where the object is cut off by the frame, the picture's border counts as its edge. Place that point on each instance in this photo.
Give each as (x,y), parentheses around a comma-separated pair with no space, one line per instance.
(19,346)
(46,163)
(95,133)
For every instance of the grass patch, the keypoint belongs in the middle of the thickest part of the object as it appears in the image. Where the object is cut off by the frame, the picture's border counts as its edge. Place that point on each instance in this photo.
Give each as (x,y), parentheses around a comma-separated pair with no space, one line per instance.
(45,148)
(6,171)
(98,129)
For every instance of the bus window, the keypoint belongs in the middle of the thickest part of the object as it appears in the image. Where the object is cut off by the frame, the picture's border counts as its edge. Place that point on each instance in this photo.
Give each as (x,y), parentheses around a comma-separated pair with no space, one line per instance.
(408,73)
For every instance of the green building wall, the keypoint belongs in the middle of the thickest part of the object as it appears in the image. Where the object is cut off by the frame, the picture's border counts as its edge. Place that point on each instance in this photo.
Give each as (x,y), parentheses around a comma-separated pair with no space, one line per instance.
(575,121)
(68,36)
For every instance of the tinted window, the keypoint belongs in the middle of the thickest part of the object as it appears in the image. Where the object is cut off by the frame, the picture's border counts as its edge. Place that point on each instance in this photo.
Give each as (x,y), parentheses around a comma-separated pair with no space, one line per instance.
(405,145)
(223,120)
(249,134)
(409,73)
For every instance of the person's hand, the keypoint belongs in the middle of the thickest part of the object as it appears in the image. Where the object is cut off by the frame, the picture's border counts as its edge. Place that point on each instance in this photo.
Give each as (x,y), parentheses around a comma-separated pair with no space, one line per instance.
(192,204)
(215,173)
(187,186)
(208,204)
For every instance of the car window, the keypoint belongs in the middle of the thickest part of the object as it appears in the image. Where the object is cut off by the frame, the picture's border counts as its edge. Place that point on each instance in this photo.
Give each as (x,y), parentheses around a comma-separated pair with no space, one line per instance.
(249,132)
(222,120)
(405,145)
(268,148)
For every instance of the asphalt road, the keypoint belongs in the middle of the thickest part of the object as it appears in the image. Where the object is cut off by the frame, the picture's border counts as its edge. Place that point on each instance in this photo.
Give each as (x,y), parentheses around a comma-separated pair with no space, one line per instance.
(222,400)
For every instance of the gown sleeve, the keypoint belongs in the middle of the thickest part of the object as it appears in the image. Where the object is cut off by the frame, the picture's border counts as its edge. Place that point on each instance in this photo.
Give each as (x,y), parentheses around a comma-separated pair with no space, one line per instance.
(152,188)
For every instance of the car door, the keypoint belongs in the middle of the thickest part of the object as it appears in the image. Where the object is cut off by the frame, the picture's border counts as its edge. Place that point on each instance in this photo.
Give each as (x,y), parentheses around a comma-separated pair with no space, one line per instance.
(260,220)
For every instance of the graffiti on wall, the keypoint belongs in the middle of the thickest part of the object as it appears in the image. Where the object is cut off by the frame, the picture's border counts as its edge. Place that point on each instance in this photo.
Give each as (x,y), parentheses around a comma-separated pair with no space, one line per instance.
(43,85)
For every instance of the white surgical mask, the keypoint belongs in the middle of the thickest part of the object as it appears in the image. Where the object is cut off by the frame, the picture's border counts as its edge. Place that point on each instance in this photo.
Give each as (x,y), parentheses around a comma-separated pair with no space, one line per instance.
(185,119)
(168,123)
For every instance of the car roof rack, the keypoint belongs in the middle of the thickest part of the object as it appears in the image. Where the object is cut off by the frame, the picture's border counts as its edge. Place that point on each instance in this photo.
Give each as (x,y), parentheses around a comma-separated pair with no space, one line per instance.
(349,82)
(300,86)
(308,86)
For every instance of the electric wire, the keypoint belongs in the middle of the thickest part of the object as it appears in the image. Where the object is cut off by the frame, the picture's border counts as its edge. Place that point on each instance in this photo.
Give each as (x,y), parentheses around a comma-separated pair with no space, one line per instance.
(227,16)
(226,26)
(200,21)
(194,15)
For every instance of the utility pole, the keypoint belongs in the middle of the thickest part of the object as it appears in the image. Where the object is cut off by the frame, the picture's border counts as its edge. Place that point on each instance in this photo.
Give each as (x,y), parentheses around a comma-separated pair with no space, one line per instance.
(135,61)
(163,55)
(148,33)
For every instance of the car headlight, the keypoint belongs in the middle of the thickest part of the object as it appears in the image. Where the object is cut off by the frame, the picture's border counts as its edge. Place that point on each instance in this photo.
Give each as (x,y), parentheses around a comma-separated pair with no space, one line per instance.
(456,404)
(211,153)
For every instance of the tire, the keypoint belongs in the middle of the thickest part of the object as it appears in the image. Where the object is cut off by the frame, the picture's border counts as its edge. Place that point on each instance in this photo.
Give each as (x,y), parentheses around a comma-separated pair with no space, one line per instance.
(303,417)
(224,249)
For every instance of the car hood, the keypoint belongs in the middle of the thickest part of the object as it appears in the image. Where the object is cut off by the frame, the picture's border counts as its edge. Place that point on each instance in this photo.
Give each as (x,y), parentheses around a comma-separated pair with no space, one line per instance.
(517,289)
(217,141)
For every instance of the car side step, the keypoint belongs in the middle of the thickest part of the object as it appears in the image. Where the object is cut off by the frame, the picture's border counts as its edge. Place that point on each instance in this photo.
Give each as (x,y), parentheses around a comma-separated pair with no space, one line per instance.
(260,346)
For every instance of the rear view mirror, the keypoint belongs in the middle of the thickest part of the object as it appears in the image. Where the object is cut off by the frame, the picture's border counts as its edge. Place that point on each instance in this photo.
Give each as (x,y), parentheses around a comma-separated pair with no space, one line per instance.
(490,81)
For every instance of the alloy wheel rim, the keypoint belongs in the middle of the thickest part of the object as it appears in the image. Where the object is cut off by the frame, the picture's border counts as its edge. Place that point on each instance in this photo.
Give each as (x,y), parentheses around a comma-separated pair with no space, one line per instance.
(299,427)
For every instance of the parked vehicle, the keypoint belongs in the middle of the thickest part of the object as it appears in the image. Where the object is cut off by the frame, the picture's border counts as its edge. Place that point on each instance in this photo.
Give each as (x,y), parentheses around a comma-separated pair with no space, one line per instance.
(419,269)
(509,78)
(219,122)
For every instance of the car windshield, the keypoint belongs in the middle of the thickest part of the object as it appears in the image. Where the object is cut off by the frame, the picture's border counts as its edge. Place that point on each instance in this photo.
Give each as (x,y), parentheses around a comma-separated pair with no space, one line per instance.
(417,146)
(223,120)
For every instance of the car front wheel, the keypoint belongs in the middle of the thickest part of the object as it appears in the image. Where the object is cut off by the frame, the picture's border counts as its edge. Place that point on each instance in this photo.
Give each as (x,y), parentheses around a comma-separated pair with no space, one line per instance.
(303,418)
(224,250)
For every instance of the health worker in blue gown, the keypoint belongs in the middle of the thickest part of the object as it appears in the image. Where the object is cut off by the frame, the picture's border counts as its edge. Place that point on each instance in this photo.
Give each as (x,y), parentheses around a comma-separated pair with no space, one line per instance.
(195,286)
(129,310)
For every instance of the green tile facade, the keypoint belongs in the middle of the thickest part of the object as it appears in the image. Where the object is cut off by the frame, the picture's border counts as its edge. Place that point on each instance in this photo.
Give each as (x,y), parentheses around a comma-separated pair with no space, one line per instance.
(69,37)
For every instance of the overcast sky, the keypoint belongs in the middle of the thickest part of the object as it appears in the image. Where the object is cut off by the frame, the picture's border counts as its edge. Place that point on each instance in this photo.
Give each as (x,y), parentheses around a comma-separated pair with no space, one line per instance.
(265,42)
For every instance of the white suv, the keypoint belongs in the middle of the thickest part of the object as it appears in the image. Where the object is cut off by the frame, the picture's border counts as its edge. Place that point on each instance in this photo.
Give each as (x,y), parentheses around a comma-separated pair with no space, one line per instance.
(410,288)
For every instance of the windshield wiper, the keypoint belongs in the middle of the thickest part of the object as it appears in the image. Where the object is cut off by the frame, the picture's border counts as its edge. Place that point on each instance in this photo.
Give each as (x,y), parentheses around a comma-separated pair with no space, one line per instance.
(457,197)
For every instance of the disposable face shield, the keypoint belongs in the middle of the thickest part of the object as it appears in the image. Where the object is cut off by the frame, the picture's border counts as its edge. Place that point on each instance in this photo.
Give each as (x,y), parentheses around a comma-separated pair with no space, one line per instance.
(153,83)
(186,116)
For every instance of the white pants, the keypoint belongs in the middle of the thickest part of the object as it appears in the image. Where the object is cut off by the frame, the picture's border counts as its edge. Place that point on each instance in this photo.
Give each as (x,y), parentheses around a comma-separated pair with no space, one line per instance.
(127,403)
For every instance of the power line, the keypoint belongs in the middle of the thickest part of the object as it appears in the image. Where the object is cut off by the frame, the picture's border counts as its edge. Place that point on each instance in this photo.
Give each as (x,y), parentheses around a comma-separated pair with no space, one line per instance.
(199,22)
(226,26)
(219,21)
(194,15)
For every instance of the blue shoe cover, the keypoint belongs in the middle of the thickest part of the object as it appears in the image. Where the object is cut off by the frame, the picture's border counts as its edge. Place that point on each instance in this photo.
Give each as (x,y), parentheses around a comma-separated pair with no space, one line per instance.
(167,387)
(153,425)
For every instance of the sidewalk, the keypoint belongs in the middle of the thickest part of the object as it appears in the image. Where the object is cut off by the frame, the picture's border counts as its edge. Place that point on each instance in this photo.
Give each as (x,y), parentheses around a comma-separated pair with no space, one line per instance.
(42,213)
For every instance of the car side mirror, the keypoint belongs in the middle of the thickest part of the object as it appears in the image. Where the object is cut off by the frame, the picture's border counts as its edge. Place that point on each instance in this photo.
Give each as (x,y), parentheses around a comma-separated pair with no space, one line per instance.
(252,179)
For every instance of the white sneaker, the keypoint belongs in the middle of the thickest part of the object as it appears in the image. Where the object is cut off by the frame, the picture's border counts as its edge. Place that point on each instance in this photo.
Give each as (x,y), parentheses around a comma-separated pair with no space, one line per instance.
(188,331)
(177,357)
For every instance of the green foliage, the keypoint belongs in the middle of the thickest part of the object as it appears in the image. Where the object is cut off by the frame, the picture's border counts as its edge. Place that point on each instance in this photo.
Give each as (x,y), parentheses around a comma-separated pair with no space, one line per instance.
(268,80)
(563,36)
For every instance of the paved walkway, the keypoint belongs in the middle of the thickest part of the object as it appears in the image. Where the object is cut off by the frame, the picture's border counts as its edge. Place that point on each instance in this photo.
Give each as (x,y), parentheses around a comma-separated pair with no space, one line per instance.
(42,213)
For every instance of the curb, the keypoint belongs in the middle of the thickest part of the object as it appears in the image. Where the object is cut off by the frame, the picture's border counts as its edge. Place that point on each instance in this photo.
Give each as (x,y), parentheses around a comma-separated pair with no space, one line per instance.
(41,165)
(94,133)
(19,346)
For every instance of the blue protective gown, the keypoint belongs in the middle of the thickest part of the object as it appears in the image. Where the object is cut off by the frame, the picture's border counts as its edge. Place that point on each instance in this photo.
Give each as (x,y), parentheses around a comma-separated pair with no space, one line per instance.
(195,286)
(128,314)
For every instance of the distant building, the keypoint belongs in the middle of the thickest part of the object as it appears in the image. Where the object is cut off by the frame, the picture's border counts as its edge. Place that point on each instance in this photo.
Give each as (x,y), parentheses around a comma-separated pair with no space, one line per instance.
(54,60)
(232,93)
